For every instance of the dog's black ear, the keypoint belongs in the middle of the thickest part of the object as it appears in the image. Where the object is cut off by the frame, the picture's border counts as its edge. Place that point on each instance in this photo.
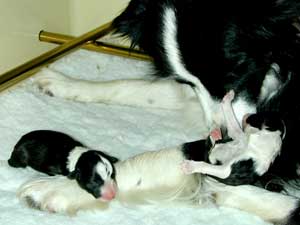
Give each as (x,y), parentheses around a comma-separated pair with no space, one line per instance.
(74,174)
(113,159)
(256,120)
(110,158)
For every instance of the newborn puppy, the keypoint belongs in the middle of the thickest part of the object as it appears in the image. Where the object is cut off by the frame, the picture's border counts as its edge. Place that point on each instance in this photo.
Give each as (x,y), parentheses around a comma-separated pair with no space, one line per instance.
(56,153)
(248,154)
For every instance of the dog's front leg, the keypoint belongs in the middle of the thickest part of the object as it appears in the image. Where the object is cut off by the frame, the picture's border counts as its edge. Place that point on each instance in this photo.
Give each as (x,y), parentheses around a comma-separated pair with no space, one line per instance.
(166,94)
(220,171)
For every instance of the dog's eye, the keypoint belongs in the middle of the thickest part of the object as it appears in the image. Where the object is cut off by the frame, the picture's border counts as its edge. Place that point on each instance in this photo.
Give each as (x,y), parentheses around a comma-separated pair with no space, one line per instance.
(107,169)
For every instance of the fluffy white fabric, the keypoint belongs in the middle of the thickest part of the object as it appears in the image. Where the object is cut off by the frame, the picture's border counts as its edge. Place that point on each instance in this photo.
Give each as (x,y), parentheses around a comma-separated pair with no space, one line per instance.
(121,131)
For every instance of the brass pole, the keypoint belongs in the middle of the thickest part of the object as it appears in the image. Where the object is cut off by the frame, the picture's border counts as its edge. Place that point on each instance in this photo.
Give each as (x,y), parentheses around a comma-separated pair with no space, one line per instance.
(13,76)
(98,46)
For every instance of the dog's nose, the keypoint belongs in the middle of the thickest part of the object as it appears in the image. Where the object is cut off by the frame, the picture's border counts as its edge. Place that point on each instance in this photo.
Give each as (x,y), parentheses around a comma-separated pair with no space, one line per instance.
(109,195)
(108,191)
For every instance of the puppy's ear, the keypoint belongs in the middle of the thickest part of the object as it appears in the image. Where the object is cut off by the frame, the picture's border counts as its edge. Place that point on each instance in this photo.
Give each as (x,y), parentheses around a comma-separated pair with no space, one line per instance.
(74,174)
(113,159)
(110,158)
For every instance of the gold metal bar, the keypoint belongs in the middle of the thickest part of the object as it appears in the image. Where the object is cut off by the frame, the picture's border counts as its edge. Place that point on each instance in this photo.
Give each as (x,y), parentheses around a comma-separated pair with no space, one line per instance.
(13,76)
(98,46)
(19,78)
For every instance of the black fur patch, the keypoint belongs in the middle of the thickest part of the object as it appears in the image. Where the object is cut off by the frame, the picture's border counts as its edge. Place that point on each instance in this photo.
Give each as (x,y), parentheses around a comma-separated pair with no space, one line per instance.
(197,150)
(268,120)
(44,150)
(242,172)
(294,218)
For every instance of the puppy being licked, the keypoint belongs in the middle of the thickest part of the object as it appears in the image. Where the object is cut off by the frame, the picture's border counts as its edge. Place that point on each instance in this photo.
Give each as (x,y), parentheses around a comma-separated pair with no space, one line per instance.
(249,153)
(56,153)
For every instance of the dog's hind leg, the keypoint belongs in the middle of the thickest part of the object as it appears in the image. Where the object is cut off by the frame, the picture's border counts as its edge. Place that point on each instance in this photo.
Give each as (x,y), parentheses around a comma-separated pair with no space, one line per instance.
(270,206)
(166,94)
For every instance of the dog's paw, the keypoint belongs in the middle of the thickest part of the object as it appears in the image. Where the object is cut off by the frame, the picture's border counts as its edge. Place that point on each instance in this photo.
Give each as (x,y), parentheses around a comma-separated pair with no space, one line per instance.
(188,166)
(52,194)
(216,134)
(229,96)
(55,84)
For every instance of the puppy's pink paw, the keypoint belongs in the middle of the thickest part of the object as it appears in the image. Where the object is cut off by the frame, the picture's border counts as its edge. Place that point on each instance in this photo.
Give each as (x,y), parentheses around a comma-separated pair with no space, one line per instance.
(216,134)
(187,167)
(229,96)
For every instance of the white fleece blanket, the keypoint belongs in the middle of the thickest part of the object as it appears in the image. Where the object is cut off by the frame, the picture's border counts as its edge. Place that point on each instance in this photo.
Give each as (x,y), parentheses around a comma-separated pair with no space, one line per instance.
(121,131)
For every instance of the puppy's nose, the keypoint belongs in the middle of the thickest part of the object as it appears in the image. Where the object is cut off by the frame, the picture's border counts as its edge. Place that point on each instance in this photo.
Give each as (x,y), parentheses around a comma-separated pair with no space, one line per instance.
(108,195)
(108,191)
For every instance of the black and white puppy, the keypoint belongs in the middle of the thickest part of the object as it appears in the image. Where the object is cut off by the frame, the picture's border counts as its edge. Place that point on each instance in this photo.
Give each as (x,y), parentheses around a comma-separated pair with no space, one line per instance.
(56,153)
(247,154)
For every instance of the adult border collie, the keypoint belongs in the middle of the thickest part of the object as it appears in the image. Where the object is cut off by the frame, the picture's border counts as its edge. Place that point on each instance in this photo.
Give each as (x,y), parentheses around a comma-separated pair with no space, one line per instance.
(227,45)
(212,47)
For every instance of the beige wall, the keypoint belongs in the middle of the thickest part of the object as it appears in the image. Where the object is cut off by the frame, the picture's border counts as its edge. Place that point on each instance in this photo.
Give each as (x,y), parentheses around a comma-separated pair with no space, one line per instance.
(21,21)
(89,14)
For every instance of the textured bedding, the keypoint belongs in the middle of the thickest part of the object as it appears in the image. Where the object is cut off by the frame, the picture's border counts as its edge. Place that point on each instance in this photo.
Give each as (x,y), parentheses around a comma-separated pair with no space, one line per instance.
(120,130)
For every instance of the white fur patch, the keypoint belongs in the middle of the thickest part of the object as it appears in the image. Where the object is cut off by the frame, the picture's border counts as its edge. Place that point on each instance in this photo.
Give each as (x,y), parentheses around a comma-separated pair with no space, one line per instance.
(264,147)
(174,58)
(74,156)
(241,107)
(268,205)
(141,93)
(55,194)
(271,84)
(104,169)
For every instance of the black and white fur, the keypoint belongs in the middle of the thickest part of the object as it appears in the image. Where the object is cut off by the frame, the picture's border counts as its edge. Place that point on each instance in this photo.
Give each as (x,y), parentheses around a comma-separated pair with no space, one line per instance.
(216,47)
(220,46)
(243,155)
(137,177)
(56,153)
(140,179)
